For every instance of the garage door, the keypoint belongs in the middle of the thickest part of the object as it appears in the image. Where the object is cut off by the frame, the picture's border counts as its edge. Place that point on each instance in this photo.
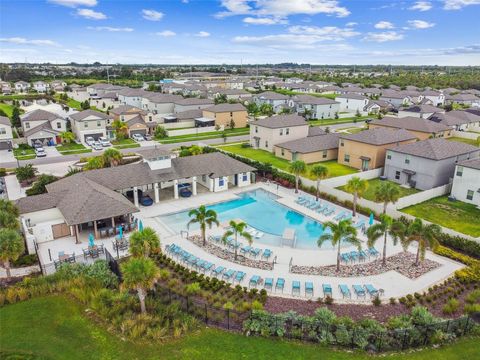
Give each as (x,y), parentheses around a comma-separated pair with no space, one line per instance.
(42,141)
(139,131)
(4,145)
(95,136)
(60,230)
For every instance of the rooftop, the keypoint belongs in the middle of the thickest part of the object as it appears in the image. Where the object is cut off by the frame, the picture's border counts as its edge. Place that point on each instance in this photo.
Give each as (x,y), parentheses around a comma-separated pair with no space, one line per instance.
(82,115)
(39,115)
(280,121)
(436,149)
(472,163)
(411,123)
(226,107)
(380,136)
(311,144)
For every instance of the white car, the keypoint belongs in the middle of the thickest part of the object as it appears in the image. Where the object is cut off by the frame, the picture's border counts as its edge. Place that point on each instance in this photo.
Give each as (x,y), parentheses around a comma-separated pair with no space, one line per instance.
(138,137)
(97,145)
(40,152)
(89,140)
(104,141)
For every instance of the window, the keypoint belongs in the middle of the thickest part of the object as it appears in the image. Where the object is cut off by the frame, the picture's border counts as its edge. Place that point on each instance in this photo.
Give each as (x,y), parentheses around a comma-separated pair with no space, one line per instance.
(231,114)
(85,124)
(281,132)
(469,194)
(221,182)
(397,175)
(256,129)
(3,131)
(325,153)
(204,178)
(59,125)
(98,123)
(287,131)
(245,177)
(346,158)
(283,151)
(407,160)
(27,125)
(266,143)
(459,170)
(389,156)
(341,143)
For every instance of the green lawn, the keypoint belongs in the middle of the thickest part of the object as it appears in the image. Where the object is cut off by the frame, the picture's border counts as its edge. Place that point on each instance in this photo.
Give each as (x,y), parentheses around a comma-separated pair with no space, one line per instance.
(7,109)
(351,130)
(290,92)
(466,141)
(334,168)
(455,215)
(125,144)
(324,122)
(24,153)
(72,148)
(55,328)
(372,184)
(204,136)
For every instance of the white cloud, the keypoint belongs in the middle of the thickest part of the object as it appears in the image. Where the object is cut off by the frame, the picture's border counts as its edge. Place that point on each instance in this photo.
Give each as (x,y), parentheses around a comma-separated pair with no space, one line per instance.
(23,41)
(420,24)
(202,34)
(165,33)
(152,15)
(458,4)
(421,6)
(331,33)
(384,25)
(282,8)
(264,21)
(351,24)
(74,3)
(383,36)
(109,28)
(90,14)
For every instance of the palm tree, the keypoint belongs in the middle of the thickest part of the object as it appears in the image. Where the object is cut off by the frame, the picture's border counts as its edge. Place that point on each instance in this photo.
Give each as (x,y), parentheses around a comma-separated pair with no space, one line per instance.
(320,172)
(386,226)
(204,218)
(140,274)
(237,229)
(357,187)
(297,168)
(143,243)
(8,214)
(11,247)
(112,156)
(387,192)
(343,231)
(67,137)
(426,236)
(96,162)
(121,129)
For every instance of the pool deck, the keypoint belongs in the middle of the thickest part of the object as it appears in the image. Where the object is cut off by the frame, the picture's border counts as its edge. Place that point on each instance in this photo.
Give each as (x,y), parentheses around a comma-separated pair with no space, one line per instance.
(393,283)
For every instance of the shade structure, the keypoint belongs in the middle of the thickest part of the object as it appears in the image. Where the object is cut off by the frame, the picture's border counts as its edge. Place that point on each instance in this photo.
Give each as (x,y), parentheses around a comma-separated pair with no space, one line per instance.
(91,240)
(140,225)
(120,232)
(370,221)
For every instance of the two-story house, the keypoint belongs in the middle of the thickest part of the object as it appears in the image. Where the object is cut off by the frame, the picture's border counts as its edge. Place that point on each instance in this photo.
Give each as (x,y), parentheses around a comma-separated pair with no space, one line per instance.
(42,127)
(314,107)
(276,100)
(224,115)
(41,86)
(90,123)
(420,111)
(192,104)
(352,103)
(6,135)
(421,128)
(466,181)
(21,86)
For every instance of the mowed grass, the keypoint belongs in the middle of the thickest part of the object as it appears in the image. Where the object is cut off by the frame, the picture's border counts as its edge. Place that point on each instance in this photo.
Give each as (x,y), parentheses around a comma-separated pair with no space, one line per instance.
(56,328)
(125,144)
(324,122)
(466,141)
(72,148)
(456,215)
(334,168)
(372,185)
(7,109)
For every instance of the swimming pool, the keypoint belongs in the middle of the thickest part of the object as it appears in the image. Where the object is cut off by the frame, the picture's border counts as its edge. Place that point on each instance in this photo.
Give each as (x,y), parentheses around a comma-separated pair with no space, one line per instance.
(259,209)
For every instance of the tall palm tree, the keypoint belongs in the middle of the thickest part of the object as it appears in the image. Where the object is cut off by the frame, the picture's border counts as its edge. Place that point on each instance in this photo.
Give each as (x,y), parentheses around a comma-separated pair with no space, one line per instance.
(426,237)
(112,156)
(11,247)
(67,137)
(237,229)
(297,168)
(386,226)
(357,187)
(320,172)
(204,218)
(121,129)
(140,274)
(387,192)
(145,242)
(341,232)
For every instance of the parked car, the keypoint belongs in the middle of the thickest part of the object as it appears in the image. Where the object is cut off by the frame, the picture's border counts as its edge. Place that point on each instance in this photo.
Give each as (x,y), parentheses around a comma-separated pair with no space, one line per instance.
(40,152)
(89,140)
(147,137)
(104,141)
(97,145)
(146,200)
(138,137)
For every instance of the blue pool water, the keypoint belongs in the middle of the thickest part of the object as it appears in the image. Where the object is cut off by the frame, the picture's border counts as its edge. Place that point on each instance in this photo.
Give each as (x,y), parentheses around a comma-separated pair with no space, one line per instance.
(259,209)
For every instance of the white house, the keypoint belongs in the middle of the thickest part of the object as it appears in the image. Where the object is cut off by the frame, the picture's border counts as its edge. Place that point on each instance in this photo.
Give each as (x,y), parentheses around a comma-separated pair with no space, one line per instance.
(159,104)
(90,123)
(21,86)
(436,97)
(41,86)
(6,135)
(315,107)
(278,101)
(466,183)
(132,97)
(352,103)
(42,127)
(420,111)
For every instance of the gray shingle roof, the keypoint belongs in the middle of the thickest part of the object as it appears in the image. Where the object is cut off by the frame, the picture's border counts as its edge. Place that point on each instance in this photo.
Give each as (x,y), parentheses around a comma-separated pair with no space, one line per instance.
(46,126)
(411,123)
(270,95)
(136,120)
(380,136)
(226,108)
(311,144)
(280,121)
(314,100)
(352,96)
(436,149)
(39,115)
(126,109)
(188,114)
(472,163)
(423,109)
(456,117)
(315,131)
(193,101)
(79,116)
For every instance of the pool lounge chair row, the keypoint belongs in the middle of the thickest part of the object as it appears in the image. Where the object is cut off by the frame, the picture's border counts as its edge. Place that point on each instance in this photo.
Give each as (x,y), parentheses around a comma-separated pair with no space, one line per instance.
(361,255)
(244,249)
(319,206)
(360,291)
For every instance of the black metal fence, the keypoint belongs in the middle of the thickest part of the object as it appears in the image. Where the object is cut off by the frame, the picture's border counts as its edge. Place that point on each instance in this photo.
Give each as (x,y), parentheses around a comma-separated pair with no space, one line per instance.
(113,264)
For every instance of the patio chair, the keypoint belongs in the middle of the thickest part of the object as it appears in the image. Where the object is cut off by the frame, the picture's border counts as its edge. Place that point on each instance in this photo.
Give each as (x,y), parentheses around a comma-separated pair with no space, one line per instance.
(322,208)
(345,291)
(218,270)
(268,285)
(259,234)
(280,284)
(339,216)
(215,238)
(314,205)
(228,274)
(359,224)
(207,266)
(345,258)
(359,291)
(372,291)
(200,263)
(308,288)
(295,287)
(103,233)
(245,249)
(111,232)
(347,216)
(373,252)
(266,254)
(239,276)
(86,253)
(329,211)
(300,200)
(354,255)
(101,249)
(327,290)
(362,255)
(255,252)
(254,281)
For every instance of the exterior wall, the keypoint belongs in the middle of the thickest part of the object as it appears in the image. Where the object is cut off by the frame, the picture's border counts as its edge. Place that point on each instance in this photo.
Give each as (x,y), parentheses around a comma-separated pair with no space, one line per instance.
(403,113)
(180,108)
(27,125)
(157,108)
(309,158)
(276,104)
(131,100)
(42,216)
(351,105)
(80,131)
(326,111)
(137,128)
(270,137)
(419,134)
(357,149)
(8,135)
(468,180)
(218,186)
(108,103)
(79,95)
(224,118)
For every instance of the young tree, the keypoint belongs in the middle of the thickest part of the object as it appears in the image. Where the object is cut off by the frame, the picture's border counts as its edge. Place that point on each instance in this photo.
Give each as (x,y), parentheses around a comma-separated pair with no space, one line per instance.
(237,229)
(160,132)
(121,129)
(112,156)
(387,192)
(232,124)
(297,168)
(426,237)
(140,274)
(11,247)
(266,109)
(145,242)
(341,232)
(16,117)
(67,137)
(357,187)
(40,184)
(204,218)
(320,172)
(386,226)
(96,162)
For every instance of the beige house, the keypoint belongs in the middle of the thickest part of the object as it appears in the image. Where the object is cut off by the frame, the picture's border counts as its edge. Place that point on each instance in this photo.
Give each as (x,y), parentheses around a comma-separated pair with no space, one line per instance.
(90,123)
(422,128)
(311,149)
(42,127)
(224,114)
(268,132)
(134,118)
(366,149)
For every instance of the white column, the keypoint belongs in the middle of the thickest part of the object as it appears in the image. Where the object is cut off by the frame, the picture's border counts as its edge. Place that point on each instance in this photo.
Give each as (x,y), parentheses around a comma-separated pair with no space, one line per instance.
(157,194)
(194,185)
(175,189)
(211,184)
(135,196)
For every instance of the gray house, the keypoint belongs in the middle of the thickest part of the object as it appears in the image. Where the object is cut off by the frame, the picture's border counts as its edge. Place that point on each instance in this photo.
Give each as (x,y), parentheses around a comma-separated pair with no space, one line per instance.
(426,164)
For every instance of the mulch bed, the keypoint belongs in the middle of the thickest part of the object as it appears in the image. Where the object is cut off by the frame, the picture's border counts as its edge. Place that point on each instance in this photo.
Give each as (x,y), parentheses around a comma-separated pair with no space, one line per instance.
(402,262)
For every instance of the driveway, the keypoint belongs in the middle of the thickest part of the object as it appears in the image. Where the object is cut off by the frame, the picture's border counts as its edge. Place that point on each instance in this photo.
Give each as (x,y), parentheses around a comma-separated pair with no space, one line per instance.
(52,151)
(6,156)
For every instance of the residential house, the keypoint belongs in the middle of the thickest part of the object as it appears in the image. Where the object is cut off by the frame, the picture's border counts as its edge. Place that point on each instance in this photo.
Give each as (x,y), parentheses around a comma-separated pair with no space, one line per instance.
(181,119)
(352,103)
(192,104)
(421,128)
(105,101)
(268,132)
(231,94)
(458,120)
(91,123)
(396,98)
(463,99)
(134,118)
(40,86)
(315,107)
(21,86)
(159,104)
(6,135)
(5,87)
(420,111)
(428,163)
(466,183)
(276,100)
(310,149)
(436,97)
(58,85)
(102,88)
(224,115)
(366,149)
(132,97)
(42,127)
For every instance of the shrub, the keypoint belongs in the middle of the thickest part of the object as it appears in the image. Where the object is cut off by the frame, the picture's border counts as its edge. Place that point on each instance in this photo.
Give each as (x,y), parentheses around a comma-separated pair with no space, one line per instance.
(3,172)
(471,309)
(451,306)
(473,297)
(393,301)
(26,260)
(376,301)
(328,300)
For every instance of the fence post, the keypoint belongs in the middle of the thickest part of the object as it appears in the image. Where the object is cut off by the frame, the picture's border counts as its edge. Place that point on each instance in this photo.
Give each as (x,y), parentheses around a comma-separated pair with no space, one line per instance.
(206,314)
(404,339)
(187,303)
(353,339)
(448,326)
(228,319)
(466,325)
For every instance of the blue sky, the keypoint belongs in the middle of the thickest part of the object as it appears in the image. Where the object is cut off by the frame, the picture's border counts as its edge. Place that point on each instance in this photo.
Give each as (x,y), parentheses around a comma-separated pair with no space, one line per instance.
(443,32)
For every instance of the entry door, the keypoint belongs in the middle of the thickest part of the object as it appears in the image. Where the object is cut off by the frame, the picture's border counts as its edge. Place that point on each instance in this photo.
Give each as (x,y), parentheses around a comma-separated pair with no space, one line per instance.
(60,230)
(365,164)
